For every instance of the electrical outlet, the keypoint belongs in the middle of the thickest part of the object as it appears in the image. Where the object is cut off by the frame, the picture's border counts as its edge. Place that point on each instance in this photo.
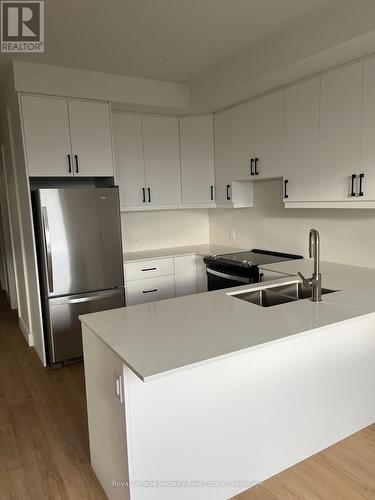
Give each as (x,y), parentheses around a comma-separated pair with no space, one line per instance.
(232,234)
(135,239)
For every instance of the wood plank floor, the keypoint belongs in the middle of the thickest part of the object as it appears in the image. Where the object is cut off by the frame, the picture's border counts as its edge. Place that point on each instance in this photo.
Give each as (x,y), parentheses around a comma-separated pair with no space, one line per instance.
(44,451)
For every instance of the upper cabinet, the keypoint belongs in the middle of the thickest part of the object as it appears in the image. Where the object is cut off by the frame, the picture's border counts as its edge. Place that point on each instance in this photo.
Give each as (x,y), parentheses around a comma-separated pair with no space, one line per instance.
(302,141)
(257,138)
(243,140)
(366,179)
(197,159)
(269,136)
(340,133)
(47,136)
(229,191)
(129,160)
(67,137)
(161,146)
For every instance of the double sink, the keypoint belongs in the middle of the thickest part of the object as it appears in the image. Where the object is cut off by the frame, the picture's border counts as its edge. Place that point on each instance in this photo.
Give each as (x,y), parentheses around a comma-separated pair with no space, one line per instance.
(279,294)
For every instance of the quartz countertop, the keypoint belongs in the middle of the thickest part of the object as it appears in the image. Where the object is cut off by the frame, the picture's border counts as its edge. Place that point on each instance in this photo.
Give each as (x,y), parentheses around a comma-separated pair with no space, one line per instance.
(160,338)
(200,249)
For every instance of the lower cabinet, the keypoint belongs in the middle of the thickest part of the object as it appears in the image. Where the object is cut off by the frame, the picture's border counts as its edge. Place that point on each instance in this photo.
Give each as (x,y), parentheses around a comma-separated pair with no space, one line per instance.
(150,280)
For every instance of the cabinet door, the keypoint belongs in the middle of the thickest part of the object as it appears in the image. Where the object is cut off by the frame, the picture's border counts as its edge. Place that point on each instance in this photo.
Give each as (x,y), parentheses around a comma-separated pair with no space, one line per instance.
(129,162)
(46,133)
(269,135)
(162,160)
(185,269)
(340,131)
(90,130)
(223,171)
(243,140)
(301,140)
(197,159)
(368,132)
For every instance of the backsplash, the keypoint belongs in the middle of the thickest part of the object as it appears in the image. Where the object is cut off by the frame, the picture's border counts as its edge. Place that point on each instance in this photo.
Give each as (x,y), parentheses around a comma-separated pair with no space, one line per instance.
(163,229)
(347,235)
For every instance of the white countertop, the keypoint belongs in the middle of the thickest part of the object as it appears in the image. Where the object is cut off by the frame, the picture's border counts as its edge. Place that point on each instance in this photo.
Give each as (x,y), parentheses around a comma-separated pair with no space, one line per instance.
(159,338)
(159,253)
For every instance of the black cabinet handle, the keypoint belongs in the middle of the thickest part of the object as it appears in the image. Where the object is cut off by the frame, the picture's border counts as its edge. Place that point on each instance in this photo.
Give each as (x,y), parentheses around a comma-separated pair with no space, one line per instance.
(149,269)
(150,291)
(77,166)
(143,195)
(212,193)
(256,160)
(251,166)
(361,177)
(352,192)
(228,195)
(285,191)
(149,194)
(69,164)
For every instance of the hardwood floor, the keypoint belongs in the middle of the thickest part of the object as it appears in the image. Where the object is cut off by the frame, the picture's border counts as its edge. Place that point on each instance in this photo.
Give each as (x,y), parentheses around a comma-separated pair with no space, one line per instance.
(44,449)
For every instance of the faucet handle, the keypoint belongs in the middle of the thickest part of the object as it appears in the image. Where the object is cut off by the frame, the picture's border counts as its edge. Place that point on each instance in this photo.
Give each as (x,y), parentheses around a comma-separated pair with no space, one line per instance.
(305,281)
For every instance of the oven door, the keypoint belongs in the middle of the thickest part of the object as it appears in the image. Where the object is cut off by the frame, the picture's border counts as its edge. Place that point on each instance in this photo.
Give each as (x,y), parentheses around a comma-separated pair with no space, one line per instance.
(217,280)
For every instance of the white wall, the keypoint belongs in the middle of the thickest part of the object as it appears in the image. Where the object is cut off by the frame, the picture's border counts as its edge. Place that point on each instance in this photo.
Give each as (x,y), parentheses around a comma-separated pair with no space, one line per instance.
(347,236)
(164,229)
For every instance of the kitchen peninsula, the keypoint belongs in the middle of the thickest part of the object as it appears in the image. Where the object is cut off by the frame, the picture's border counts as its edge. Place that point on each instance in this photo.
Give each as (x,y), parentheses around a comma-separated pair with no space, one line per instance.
(205,395)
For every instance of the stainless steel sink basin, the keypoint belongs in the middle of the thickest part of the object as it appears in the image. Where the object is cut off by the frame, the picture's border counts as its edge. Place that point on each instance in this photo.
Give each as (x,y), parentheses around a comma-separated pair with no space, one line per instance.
(273,296)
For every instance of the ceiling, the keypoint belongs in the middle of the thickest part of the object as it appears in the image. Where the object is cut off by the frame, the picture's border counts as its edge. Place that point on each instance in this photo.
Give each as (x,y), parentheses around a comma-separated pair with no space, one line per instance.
(125,36)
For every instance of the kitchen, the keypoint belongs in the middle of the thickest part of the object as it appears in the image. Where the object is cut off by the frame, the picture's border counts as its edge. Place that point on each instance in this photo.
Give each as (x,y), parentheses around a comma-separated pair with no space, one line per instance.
(208,190)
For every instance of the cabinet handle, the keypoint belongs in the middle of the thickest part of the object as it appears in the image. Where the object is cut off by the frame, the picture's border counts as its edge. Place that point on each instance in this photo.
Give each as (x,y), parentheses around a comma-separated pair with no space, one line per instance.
(149,269)
(228,195)
(150,291)
(212,193)
(352,192)
(285,191)
(361,177)
(256,160)
(77,166)
(69,164)
(144,195)
(251,166)
(149,194)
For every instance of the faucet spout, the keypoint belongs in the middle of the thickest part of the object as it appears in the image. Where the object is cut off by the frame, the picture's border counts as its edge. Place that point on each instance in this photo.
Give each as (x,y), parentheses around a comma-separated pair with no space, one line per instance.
(316,280)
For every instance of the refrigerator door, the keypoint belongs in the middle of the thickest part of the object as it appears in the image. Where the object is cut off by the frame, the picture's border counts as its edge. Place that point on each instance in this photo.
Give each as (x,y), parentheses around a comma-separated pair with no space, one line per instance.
(81,240)
(64,327)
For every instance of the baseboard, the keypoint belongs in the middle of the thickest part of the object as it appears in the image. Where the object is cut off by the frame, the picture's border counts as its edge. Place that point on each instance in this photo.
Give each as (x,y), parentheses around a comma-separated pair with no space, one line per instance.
(28,336)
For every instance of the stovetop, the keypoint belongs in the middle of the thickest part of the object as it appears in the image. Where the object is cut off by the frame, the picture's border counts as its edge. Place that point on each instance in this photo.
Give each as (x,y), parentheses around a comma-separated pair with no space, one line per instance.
(250,258)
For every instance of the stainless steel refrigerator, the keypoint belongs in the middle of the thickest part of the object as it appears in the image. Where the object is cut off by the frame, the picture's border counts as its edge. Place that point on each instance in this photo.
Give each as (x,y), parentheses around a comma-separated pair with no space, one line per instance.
(80,262)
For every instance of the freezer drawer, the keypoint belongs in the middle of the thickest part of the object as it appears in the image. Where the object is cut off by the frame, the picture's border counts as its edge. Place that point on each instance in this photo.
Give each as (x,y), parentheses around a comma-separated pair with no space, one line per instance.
(64,327)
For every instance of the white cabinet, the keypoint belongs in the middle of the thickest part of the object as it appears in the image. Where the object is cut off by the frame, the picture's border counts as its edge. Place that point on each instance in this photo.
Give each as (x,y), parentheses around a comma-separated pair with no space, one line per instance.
(269,136)
(228,192)
(141,269)
(129,161)
(67,137)
(90,131)
(197,159)
(149,290)
(367,167)
(302,141)
(162,160)
(46,135)
(185,274)
(340,132)
(243,140)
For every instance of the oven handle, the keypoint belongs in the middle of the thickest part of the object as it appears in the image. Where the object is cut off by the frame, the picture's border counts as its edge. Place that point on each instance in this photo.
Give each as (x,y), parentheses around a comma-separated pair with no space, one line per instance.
(228,276)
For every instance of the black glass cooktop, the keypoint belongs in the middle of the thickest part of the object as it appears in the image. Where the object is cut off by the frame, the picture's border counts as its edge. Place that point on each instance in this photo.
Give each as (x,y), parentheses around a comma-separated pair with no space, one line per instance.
(253,257)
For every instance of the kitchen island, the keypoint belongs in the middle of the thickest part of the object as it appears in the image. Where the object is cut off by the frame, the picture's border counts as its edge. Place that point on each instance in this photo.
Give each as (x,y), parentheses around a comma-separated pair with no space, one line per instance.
(200,397)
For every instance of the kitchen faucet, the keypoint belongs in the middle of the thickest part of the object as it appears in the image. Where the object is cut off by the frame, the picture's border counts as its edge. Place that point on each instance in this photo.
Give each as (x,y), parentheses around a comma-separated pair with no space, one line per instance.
(316,280)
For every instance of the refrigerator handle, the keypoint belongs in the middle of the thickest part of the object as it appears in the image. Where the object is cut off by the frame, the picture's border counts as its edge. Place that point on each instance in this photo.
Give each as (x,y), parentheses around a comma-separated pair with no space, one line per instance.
(47,246)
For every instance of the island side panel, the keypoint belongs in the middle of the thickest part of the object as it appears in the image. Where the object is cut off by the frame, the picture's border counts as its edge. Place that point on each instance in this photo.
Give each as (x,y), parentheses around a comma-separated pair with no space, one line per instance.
(106,416)
(251,416)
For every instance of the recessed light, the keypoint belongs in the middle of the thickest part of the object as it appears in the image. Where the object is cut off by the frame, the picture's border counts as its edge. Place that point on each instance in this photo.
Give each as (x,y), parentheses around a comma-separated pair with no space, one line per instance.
(159,60)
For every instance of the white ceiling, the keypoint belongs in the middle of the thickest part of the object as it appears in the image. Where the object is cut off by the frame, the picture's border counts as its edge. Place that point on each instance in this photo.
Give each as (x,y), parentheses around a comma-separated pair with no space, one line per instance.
(124,36)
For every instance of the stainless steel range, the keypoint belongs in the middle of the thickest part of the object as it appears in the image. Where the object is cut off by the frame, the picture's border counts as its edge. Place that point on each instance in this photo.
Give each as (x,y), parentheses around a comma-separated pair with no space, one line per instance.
(240,268)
